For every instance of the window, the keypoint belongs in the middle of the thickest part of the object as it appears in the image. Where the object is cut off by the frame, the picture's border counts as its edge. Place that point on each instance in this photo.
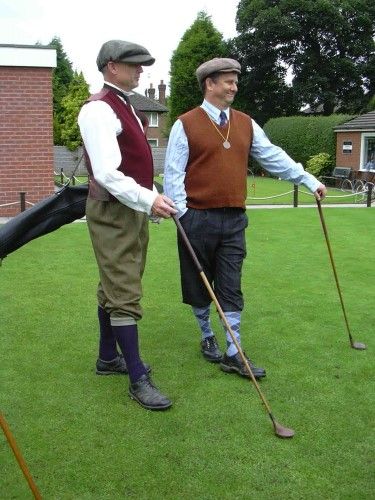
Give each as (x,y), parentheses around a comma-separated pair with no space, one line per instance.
(153,119)
(368,152)
(153,142)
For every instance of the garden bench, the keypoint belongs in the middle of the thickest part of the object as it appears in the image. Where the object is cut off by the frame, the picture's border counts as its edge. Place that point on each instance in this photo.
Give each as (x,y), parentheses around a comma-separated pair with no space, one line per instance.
(339,174)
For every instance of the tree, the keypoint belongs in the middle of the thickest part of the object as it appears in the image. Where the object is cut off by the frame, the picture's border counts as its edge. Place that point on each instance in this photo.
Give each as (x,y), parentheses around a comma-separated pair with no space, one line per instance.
(62,77)
(78,92)
(200,43)
(262,91)
(327,44)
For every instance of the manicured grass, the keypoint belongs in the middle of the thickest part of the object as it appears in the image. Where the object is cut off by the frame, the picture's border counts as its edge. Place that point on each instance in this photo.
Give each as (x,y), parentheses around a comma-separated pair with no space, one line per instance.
(83,438)
(271,191)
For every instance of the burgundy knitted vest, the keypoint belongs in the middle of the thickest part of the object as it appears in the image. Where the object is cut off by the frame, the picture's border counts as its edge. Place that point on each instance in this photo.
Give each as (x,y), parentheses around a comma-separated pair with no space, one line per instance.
(136,156)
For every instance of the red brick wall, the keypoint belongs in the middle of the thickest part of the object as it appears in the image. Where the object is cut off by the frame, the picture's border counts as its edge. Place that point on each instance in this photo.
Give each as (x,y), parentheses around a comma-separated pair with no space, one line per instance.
(26,135)
(348,160)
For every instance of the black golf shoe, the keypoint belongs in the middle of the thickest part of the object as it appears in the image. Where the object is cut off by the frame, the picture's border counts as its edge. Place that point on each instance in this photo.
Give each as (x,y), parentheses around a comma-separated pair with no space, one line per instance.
(147,395)
(210,349)
(115,367)
(234,364)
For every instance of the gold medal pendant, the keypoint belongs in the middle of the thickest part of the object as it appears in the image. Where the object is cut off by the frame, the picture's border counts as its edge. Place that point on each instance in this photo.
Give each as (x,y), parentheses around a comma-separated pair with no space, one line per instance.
(226,143)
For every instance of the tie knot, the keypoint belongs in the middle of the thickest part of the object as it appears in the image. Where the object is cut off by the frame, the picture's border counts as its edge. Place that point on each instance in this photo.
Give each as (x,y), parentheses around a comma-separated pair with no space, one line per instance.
(223,119)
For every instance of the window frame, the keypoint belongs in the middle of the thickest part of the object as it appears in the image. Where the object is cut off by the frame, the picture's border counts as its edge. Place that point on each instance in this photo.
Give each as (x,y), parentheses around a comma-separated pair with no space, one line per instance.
(364,151)
(150,115)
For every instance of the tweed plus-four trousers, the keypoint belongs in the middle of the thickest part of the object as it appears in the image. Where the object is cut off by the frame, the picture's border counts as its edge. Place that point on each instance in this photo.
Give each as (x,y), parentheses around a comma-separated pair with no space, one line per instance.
(218,238)
(119,238)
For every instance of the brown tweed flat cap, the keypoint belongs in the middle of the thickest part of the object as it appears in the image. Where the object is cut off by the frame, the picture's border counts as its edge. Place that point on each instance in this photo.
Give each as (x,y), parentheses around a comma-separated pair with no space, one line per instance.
(121,51)
(218,64)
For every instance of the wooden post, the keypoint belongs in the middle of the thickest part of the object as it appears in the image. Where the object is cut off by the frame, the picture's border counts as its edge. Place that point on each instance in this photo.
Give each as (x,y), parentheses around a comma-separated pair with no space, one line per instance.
(370,187)
(22,201)
(295,196)
(62,175)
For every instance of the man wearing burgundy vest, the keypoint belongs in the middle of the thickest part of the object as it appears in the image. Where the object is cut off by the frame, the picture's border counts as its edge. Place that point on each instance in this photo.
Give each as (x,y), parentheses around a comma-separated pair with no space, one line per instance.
(121,199)
(205,175)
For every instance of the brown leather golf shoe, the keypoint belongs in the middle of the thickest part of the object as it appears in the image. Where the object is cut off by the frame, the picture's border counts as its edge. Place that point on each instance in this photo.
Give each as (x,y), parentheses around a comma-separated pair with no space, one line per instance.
(115,367)
(147,395)
(210,350)
(234,364)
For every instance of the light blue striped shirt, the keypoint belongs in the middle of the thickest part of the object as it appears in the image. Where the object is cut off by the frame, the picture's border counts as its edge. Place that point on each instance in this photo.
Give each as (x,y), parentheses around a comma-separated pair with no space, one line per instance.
(272,158)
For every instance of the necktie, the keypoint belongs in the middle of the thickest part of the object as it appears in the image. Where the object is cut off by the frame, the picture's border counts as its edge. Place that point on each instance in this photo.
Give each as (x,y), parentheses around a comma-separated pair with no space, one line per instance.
(223,119)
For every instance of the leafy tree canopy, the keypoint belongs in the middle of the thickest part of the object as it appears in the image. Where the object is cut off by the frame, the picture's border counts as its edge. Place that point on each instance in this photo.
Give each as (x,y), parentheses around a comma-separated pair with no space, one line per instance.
(200,43)
(327,44)
(78,92)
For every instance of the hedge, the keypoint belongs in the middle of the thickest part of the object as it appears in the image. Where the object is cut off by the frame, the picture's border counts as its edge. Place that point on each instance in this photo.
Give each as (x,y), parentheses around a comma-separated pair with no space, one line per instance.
(305,136)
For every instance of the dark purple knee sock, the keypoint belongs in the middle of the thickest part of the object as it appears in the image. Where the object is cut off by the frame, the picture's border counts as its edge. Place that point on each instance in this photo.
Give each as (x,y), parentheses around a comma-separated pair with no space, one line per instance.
(127,339)
(107,341)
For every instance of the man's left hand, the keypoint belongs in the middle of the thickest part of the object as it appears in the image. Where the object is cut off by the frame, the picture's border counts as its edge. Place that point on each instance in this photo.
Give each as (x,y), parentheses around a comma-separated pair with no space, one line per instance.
(321,192)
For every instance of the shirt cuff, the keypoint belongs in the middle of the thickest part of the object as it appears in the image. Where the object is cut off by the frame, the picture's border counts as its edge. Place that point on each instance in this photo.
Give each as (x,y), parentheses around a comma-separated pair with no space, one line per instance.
(311,182)
(146,199)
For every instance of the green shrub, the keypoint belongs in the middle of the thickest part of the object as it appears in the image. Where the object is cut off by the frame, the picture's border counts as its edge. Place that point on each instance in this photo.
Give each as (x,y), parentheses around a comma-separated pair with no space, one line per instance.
(320,164)
(305,136)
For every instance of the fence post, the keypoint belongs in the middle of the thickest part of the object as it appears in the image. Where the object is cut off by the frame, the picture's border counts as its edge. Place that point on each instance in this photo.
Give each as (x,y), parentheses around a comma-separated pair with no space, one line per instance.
(22,201)
(62,175)
(295,196)
(370,187)
(73,180)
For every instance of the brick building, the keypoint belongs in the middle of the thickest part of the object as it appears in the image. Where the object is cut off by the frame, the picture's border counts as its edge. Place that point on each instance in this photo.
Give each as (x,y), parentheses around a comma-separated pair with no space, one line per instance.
(355,145)
(156,112)
(26,130)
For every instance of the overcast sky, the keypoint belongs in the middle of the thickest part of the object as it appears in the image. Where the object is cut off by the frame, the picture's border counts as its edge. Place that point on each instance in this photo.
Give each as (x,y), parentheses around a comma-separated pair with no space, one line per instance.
(84,25)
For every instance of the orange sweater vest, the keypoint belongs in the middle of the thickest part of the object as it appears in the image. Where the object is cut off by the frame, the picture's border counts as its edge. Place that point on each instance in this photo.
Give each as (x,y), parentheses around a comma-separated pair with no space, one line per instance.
(215,176)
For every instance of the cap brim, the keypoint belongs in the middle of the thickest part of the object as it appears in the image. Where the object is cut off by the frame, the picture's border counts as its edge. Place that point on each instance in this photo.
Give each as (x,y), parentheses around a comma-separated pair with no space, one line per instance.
(144,60)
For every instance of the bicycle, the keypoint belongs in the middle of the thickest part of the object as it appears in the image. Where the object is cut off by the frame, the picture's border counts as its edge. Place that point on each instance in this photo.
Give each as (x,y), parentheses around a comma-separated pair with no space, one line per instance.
(359,188)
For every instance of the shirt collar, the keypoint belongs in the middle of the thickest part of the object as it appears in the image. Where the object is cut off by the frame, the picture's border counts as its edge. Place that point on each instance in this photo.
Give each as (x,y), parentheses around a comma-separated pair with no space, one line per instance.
(213,112)
(118,88)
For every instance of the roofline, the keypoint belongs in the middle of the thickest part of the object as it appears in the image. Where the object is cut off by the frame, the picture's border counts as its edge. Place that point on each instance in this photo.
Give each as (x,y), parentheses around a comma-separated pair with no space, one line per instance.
(365,129)
(19,46)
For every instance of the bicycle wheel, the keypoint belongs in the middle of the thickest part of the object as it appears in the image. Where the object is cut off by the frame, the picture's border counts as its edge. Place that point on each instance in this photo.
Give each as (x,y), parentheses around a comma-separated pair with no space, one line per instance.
(358,186)
(360,194)
(347,185)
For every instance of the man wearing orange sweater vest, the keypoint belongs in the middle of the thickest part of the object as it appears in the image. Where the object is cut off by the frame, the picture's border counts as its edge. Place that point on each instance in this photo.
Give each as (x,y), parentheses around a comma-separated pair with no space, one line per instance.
(205,176)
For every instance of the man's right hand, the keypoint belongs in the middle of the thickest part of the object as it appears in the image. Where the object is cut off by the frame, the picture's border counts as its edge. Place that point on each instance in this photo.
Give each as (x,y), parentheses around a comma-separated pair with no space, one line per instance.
(163,207)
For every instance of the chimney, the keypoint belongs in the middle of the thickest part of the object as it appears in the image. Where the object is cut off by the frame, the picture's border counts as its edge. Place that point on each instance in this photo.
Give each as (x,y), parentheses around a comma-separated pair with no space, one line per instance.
(162,87)
(151,92)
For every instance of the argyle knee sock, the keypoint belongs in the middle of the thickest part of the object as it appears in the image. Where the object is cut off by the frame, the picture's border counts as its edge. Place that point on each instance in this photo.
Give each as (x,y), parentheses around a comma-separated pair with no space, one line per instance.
(127,339)
(107,341)
(203,317)
(234,320)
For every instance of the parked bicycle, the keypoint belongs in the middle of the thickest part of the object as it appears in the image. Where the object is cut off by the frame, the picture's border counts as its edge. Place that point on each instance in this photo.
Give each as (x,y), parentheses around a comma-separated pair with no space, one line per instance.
(359,188)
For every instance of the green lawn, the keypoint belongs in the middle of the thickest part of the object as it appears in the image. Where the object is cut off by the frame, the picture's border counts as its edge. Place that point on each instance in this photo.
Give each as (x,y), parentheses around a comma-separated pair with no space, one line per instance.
(271,191)
(83,438)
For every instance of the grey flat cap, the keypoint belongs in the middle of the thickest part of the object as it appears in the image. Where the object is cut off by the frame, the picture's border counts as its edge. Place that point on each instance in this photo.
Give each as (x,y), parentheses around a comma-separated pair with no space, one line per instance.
(121,51)
(218,64)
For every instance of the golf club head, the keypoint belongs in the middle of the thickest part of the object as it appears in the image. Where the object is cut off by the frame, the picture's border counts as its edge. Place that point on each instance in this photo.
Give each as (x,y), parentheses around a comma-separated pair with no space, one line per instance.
(359,346)
(283,432)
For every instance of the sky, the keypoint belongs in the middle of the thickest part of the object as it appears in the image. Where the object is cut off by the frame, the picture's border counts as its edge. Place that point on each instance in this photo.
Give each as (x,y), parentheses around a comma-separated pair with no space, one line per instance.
(83,26)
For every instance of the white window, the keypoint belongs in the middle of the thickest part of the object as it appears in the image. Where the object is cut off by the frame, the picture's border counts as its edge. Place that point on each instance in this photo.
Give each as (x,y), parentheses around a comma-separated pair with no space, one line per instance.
(154,143)
(368,151)
(153,119)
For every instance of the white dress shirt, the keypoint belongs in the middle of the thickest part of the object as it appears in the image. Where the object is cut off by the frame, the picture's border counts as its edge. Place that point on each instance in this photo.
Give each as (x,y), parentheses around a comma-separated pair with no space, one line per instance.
(100,126)
(272,158)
